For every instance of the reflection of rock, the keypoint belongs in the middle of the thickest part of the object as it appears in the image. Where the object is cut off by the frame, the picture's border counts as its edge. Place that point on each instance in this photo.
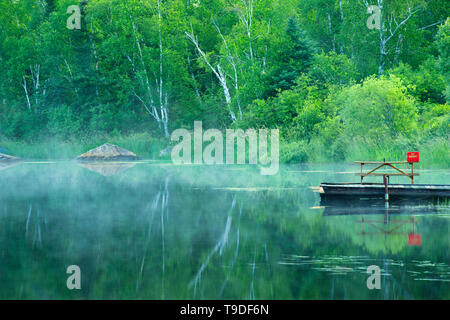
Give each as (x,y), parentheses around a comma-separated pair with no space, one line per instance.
(5,157)
(7,161)
(8,164)
(107,168)
(107,152)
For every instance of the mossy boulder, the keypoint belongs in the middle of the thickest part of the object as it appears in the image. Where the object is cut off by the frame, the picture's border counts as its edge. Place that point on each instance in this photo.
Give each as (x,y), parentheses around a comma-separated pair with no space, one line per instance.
(107,152)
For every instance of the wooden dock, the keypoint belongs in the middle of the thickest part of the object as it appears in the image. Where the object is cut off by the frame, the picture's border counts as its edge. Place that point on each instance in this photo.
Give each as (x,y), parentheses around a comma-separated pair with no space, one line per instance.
(386,189)
(378,189)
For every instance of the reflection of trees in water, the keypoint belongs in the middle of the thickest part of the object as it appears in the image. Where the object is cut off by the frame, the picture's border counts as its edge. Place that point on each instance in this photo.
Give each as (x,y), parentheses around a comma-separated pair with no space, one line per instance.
(249,259)
(33,229)
(159,203)
(393,289)
(236,250)
(158,209)
(160,238)
(220,245)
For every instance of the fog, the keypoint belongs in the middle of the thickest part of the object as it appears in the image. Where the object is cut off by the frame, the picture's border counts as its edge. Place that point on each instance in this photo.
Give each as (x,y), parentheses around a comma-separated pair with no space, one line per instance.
(161,231)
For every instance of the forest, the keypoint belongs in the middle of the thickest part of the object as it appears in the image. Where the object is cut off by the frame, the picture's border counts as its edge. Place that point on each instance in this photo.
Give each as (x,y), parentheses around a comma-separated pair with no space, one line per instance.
(342,80)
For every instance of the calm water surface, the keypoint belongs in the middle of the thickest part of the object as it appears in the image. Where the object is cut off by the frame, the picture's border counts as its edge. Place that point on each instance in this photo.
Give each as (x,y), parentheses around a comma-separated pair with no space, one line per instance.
(159,231)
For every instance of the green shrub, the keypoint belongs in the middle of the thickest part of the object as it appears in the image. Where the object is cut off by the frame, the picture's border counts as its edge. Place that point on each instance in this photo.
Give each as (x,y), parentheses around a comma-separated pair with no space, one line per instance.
(293,152)
(378,109)
(426,84)
(63,123)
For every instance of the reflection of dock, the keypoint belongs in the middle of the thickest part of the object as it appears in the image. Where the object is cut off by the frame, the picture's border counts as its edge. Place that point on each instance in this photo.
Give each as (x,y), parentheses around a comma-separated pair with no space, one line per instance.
(369,206)
(384,218)
(390,227)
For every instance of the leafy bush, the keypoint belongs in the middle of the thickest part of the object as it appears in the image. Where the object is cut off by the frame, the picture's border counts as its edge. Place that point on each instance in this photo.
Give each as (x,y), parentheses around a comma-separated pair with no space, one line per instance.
(293,152)
(426,84)
(17,124)
(377,109)
(62,122)
(443,44)
(333,69)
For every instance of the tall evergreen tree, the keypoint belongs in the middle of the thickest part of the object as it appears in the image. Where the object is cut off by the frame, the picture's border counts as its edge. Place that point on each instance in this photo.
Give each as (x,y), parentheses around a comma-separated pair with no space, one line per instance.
(294,56)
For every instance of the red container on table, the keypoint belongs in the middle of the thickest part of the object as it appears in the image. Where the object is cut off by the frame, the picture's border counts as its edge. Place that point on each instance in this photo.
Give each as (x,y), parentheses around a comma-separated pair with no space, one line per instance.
(412,157)
(414,239)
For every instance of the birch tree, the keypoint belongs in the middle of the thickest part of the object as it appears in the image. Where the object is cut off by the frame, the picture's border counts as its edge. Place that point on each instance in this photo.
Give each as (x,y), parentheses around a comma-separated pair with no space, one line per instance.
(156,108)
(217,71)
(242,54)
(245,14)
(390,26)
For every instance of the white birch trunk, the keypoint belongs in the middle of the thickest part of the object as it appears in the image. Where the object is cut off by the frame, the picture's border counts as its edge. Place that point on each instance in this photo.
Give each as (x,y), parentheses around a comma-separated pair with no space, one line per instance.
(35,76)
(161,116)
(394,28)
(246,19)
(24,85)
(194,80)
(330,29)
(163,104)
(217,72)
(94,51)
(232,62)
(341,10)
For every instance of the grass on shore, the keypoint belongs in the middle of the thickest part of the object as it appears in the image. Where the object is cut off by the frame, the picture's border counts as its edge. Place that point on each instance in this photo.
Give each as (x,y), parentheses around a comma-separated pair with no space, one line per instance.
(144,145)
(434,153)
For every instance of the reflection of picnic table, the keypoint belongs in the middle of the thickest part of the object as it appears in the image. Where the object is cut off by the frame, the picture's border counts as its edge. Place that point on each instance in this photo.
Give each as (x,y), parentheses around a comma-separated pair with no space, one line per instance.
(414,239)
(386,175)
(395,224)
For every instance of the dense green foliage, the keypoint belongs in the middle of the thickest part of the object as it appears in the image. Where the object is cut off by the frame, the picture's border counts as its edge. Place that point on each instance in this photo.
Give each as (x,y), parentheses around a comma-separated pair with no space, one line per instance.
(336,89)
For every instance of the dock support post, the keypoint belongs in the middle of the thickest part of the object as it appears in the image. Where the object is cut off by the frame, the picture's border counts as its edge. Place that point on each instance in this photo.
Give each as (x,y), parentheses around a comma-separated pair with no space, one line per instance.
(362,224)
(362,172)
(386,189)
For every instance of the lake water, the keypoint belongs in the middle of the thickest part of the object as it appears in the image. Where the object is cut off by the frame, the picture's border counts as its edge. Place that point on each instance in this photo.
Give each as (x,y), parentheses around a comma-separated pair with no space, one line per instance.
(158,231)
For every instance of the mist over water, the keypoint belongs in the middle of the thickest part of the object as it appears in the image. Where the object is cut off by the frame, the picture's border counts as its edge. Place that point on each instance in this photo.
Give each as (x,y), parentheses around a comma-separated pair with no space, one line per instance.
(153,230)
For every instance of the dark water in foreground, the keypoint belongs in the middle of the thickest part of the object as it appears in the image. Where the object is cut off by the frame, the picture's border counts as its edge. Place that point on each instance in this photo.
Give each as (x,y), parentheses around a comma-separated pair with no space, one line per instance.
(158,231)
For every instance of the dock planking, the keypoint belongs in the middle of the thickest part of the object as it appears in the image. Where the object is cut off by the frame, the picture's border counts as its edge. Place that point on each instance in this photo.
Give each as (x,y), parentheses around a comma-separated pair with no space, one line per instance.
(386,189)
(378,189)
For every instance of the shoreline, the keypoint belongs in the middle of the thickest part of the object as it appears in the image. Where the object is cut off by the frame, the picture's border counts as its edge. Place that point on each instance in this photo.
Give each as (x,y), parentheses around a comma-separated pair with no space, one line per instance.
(434,153)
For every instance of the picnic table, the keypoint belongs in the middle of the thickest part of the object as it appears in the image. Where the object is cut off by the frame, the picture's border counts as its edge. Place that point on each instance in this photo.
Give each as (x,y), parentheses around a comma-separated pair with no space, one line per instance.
(386,175)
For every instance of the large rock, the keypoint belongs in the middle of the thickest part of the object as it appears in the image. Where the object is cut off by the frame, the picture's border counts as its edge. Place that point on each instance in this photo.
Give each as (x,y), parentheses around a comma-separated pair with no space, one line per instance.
(5,157)
(107,152)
